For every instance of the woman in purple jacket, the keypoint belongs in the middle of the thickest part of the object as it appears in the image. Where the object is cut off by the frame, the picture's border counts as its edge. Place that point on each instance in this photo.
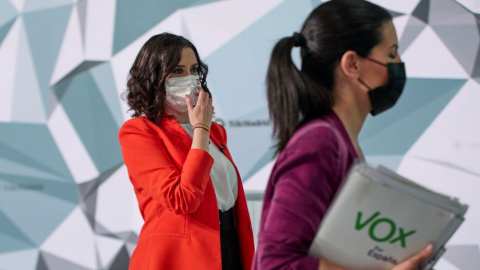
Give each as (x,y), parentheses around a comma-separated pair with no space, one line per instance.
(350,67)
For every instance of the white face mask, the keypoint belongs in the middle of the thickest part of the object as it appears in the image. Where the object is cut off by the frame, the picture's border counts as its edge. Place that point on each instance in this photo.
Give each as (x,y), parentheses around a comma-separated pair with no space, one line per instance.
(177,88)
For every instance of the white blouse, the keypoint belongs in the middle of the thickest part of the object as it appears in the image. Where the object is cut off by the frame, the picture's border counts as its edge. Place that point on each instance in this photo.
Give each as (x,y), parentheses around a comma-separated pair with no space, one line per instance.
(223,174)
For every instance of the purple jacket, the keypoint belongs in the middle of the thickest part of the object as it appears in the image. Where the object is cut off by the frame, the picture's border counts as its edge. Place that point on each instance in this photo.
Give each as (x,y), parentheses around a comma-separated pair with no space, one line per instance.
(303,182)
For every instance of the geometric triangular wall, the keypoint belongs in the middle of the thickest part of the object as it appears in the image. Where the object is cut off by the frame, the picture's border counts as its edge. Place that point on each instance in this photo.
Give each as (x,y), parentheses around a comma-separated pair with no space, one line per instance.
(65,63)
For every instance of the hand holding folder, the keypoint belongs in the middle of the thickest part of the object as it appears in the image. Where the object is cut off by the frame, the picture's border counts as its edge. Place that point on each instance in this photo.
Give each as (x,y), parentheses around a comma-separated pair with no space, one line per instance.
(379,219)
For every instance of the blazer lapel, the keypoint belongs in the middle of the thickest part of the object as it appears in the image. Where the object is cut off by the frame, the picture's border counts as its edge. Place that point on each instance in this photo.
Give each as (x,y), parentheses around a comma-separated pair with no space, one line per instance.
(178,138)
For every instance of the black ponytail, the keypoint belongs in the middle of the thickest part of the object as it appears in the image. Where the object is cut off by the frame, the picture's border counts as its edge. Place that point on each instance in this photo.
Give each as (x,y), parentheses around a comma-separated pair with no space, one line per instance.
(292,95)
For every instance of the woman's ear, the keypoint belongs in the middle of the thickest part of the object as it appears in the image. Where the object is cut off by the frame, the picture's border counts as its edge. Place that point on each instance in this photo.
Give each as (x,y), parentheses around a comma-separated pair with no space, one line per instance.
(350,64)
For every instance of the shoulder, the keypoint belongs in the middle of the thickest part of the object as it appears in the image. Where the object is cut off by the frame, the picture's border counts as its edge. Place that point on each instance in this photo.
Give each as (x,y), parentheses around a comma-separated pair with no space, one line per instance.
(313,136)
(137,125)
(315,144)
(313,152)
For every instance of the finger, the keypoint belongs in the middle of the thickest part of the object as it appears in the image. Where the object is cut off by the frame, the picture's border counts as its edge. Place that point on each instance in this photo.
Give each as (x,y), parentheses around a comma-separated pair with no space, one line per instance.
(205,97)
(210,101)
(201,95)
(188,100)
(425,253)
(422,255)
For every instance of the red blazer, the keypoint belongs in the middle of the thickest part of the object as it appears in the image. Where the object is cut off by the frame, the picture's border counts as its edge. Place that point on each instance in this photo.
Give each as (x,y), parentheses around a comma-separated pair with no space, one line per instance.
(176,198)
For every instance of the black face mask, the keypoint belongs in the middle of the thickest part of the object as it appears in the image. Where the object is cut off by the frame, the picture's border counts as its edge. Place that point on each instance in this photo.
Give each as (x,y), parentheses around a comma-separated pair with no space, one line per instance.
(384,97)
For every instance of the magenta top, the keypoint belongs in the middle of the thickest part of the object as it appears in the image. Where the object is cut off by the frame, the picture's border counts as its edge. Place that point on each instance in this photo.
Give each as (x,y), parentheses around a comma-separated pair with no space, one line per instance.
(303,182)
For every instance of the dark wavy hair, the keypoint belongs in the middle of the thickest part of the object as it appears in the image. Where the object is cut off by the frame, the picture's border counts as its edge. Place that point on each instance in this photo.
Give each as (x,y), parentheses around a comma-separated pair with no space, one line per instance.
(146,83)
(333,28)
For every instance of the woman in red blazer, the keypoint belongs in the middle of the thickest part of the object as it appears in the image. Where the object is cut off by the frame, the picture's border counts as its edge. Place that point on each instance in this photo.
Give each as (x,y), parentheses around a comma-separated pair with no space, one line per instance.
(188,189)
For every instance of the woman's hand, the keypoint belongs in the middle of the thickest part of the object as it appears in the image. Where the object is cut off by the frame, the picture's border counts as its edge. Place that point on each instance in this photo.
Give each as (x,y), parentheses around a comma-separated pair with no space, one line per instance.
(327,265)
(201,114)
(203,110)
(410,264)
(413,262)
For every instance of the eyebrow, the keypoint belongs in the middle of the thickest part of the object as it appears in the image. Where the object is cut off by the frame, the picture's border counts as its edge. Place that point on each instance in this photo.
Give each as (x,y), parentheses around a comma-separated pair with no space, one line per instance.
(182,66)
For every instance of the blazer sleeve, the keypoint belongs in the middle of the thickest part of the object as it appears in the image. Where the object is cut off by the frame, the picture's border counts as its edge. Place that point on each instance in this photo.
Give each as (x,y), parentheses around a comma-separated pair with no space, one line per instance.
(151,169)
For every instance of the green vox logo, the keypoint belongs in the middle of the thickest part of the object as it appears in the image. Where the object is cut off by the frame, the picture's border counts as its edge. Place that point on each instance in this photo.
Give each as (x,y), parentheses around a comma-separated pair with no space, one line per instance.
(393,234)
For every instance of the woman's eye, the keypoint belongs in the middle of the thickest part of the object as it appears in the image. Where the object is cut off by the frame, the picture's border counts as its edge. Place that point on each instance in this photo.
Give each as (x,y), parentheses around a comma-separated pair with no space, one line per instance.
(194,70)
(178,71)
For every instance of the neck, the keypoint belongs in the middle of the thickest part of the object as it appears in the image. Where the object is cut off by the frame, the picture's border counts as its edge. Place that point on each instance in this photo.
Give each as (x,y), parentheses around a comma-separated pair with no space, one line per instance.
(353,122)
(181,118)
(351,113)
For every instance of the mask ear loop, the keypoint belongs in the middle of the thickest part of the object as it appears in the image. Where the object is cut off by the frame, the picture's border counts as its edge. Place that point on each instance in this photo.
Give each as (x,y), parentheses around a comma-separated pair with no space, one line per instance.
(375,61)
(364,84)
